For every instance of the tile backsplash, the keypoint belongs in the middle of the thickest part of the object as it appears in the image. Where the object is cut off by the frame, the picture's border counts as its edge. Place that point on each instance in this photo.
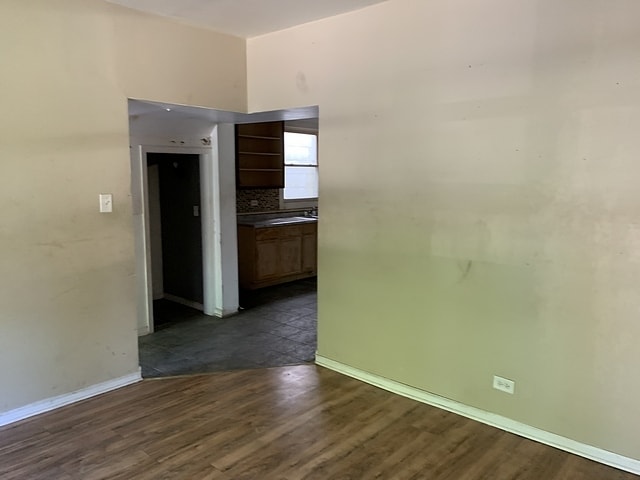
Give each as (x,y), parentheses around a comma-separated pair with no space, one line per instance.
(268,200)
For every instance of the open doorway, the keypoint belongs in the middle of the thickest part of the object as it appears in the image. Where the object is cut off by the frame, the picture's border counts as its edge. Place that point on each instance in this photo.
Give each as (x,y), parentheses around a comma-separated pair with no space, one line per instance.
(175,232)
(278,326)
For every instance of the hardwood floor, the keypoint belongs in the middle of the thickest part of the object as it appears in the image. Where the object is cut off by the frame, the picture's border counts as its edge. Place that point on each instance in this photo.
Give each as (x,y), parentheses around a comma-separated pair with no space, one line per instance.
(301,422)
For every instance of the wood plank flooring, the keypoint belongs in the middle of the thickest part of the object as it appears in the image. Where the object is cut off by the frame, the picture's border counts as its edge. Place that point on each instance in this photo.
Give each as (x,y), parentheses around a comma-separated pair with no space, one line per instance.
(301,422)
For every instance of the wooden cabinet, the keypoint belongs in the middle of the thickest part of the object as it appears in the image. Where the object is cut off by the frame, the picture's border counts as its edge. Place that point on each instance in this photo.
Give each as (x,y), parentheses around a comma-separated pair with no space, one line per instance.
(277,254)
(260,155)
(267,253)
(310,251)
(290,253)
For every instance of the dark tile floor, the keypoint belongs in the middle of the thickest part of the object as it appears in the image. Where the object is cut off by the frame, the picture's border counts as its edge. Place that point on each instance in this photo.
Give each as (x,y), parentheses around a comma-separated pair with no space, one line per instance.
(276,327)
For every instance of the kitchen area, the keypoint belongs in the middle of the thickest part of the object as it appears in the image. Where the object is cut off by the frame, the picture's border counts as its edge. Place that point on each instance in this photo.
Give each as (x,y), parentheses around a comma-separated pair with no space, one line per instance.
(276,197)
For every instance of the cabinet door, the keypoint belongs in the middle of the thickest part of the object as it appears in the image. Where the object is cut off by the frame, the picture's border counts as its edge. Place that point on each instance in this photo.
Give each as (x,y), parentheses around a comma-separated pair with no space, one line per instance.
(309,253)
(290,255)
(267,259)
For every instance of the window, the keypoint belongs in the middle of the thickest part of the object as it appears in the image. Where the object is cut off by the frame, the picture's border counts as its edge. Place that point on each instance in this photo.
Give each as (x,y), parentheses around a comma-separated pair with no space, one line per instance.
(300,166)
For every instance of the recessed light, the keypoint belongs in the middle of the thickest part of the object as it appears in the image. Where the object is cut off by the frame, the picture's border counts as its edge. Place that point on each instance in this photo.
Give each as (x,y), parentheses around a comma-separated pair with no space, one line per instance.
(168,109)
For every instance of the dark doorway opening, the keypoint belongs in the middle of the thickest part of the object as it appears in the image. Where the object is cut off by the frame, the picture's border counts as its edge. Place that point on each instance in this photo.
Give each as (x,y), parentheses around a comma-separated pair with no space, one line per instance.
(175,231)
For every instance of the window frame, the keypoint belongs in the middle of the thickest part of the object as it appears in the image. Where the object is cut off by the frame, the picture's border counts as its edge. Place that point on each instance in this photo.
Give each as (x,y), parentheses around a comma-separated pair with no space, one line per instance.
(296,203)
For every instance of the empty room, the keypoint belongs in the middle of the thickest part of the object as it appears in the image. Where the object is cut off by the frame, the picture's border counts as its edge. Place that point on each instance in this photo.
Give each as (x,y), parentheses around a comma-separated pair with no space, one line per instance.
(477,237)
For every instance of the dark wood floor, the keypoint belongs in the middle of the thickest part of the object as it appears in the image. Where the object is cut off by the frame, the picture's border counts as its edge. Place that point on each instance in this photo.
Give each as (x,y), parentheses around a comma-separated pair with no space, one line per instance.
(301,422)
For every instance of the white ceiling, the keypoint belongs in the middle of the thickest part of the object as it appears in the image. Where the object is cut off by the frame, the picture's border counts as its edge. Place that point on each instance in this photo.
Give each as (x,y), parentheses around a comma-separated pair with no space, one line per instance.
(246,18)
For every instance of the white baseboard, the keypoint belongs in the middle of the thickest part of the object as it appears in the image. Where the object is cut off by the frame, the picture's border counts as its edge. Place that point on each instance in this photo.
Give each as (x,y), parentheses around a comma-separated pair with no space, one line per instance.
(61,400)
(587,451)
(220,313)
(184,301)
(144,331)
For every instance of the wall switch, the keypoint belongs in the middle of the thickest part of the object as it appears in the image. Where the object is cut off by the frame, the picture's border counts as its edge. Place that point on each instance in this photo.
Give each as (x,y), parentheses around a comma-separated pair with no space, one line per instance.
(504,384)
(196,211)
(106,203)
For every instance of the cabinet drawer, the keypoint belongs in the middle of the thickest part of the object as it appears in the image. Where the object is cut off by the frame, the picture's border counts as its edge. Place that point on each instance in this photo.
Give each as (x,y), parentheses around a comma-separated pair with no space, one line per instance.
(267,233)
(290,231)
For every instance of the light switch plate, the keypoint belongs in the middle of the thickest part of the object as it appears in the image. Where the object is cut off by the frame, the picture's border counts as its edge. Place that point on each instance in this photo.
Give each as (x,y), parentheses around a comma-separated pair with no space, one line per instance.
(106,203)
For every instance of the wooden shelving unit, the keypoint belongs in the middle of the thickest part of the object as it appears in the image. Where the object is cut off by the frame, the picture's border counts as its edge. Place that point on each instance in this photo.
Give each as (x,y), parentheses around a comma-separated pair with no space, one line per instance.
(260,155)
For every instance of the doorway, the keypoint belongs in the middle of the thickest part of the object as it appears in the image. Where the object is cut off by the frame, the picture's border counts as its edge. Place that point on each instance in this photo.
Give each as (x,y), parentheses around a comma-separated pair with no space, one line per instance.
(210,135)
(175,230)
(217,222)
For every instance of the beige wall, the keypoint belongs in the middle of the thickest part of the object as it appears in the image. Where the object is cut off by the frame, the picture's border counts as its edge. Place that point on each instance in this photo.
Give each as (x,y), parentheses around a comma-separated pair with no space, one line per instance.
(479,200)
(67,297)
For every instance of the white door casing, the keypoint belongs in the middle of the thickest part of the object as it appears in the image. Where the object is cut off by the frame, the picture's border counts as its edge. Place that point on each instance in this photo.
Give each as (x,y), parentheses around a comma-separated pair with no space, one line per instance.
(218,216)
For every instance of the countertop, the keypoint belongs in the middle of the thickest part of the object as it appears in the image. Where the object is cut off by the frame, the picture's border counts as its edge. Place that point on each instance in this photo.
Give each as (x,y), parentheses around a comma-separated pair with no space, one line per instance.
(275,222)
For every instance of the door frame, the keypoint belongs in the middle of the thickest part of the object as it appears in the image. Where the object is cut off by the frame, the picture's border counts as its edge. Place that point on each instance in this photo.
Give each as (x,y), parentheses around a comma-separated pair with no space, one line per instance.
(211,270)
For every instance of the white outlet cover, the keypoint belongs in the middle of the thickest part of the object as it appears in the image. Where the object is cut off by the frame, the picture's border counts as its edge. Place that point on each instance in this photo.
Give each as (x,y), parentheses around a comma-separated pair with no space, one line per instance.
(504,384)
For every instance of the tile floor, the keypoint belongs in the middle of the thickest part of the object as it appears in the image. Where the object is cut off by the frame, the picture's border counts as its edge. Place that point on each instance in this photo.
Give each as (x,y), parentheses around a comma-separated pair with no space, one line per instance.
(276,327)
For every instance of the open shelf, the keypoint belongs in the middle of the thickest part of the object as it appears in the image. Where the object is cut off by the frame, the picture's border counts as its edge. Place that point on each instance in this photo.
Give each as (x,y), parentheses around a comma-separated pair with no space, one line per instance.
(258,137)
(260,155)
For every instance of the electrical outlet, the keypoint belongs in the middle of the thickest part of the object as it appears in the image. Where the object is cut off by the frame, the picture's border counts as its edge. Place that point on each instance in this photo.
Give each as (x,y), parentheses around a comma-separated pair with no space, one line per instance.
(253,203)
(504,384)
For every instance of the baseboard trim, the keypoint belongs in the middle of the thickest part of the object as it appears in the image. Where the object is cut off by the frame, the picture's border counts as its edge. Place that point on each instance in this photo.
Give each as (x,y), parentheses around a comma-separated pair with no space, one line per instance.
(184,301)
(221,313)
(144,331)
(568,445)
(52,403)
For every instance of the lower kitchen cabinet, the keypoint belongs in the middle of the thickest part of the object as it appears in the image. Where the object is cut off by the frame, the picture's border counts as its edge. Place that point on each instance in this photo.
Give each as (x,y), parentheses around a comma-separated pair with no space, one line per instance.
(267,251)
(310,251)
(276,254)
(290,256)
